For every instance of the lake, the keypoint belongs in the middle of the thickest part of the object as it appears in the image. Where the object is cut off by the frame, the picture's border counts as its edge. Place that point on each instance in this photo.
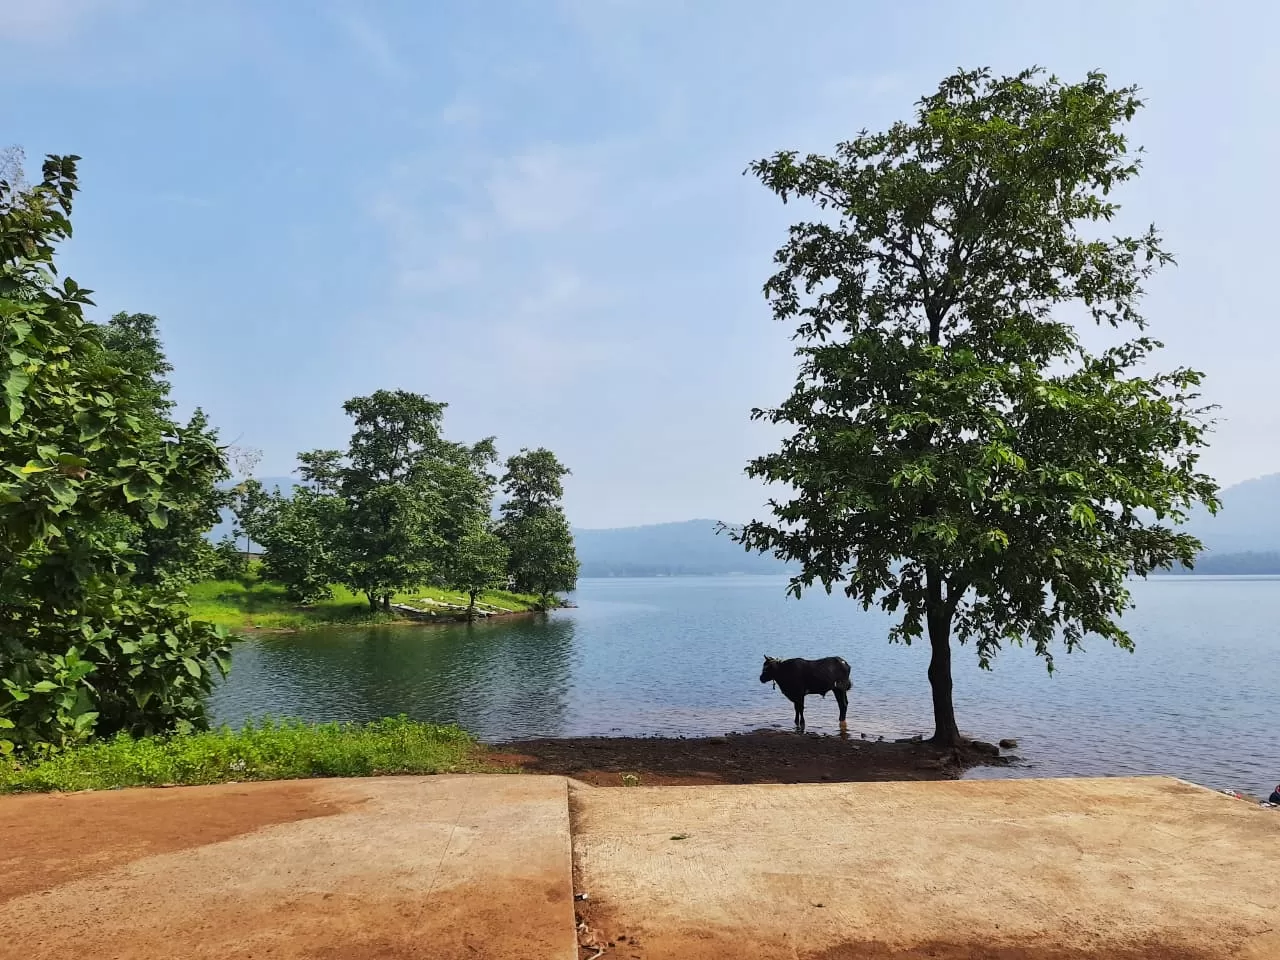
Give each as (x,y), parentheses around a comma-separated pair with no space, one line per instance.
(1200,698)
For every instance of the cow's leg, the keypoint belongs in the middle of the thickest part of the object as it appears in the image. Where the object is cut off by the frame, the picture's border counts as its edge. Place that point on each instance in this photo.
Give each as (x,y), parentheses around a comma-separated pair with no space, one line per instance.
(842,698)
(800,714)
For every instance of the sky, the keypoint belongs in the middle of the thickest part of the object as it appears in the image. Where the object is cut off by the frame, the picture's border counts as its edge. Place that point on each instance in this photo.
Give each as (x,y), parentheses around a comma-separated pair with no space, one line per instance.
(535,211)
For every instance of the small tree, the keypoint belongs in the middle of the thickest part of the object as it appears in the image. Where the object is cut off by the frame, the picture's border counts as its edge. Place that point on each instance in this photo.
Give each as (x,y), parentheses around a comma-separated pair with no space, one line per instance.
(302,537)
(247,495)
(249,501)
(956,453)
(479,563)
(533,525)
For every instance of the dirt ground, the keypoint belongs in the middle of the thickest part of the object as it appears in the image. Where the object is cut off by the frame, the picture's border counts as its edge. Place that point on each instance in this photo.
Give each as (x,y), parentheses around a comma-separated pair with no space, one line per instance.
(1113,869)
(765,756)
(381,869)
(488,866)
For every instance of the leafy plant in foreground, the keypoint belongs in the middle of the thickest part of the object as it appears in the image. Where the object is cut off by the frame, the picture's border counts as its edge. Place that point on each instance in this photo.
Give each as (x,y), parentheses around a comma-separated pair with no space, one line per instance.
(83,648)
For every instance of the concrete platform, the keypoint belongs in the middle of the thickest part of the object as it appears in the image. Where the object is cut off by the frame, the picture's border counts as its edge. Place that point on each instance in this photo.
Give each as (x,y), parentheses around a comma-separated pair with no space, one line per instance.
(1121,869)
(438,867)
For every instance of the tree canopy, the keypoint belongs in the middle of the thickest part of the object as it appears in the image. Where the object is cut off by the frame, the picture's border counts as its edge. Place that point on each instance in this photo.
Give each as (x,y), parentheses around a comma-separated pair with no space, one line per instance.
(539,541)
(403,507)
(956,453)
(85,456)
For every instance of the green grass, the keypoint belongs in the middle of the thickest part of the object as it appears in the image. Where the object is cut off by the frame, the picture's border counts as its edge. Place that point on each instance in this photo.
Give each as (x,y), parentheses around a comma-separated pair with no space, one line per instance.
(253,604)
(283,750)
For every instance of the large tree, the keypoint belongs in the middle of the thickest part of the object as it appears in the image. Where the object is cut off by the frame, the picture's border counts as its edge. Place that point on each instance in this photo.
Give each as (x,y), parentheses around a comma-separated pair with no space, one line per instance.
(539,542)
(178,552)
(408,492)
(83,647)
(956,453)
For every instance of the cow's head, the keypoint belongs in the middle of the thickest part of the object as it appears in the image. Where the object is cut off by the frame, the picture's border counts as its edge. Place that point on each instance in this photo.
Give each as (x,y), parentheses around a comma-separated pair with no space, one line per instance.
(767,673)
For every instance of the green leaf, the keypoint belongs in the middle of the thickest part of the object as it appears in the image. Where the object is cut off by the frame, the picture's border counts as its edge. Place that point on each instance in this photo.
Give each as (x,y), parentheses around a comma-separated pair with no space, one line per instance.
(44,686)
(193,668)
(16,383)
(63,490)
(137,488)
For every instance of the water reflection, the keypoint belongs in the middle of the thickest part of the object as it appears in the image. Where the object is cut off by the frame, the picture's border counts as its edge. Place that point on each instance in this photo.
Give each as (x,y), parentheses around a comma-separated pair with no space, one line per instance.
(496,679)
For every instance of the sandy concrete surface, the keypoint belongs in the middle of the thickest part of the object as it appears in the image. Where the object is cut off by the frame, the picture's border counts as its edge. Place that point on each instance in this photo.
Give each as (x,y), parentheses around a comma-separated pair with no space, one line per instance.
(438,867)
(1121,869)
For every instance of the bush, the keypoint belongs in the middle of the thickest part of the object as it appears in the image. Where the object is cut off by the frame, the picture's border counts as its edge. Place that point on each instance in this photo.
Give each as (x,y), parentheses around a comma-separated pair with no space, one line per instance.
(228,562)
(270,750)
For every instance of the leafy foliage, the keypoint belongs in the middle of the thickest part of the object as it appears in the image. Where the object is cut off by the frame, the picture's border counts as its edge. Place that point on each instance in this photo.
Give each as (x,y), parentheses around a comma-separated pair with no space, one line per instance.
(479,561)
(83,648)
(533,525)
(270,750)
(402,508)
(302,539)
(409,493)
(178,552)
(957,454)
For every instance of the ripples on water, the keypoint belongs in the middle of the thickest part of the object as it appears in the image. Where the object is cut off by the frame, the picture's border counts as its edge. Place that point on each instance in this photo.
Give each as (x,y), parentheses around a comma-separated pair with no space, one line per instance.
(1200,699)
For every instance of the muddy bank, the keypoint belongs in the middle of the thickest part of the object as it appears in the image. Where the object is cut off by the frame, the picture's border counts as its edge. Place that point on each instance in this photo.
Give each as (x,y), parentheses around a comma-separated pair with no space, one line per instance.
(763,756)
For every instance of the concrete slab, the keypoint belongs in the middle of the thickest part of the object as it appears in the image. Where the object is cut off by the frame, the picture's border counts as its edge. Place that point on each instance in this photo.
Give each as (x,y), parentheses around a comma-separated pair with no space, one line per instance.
(1120,869)
(439,867)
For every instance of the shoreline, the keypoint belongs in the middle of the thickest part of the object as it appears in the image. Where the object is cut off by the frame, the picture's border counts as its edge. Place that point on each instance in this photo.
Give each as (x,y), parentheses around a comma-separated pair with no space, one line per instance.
(759,756)
(427,620)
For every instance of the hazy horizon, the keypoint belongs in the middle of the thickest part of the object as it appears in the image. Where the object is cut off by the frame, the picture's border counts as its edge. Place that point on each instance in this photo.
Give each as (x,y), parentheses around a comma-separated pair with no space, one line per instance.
(538,215)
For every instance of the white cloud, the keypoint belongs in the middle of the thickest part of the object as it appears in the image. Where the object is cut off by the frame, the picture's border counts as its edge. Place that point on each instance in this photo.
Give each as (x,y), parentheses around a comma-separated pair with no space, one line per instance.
(544,188)
(551,329)
(372,42)
(444,273)
(37,21)
(462,112)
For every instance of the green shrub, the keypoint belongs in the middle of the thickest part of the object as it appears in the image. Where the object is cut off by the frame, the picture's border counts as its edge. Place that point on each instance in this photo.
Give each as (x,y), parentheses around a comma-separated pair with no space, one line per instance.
(269,750)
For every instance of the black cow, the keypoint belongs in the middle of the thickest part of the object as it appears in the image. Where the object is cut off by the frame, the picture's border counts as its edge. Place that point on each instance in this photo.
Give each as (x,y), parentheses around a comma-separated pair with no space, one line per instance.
(797,677)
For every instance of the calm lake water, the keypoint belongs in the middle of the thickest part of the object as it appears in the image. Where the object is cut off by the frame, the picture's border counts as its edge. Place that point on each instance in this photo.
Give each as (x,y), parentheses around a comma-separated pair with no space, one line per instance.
(1200,698)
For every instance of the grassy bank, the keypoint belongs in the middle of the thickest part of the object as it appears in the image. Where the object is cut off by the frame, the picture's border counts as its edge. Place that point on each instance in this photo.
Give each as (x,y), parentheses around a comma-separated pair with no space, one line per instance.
(253,604)
(286,750)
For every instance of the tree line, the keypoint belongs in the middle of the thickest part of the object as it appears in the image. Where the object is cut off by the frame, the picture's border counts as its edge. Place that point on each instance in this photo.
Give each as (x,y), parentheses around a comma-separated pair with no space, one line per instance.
(403,507)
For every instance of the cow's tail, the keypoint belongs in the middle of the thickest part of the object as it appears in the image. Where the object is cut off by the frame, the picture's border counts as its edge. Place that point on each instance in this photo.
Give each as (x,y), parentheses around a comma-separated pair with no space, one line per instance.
(843,683)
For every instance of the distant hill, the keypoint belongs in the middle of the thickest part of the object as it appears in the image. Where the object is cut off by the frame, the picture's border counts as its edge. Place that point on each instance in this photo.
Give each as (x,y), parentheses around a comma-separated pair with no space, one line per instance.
(1249,521)
(691,548)
(1235,564)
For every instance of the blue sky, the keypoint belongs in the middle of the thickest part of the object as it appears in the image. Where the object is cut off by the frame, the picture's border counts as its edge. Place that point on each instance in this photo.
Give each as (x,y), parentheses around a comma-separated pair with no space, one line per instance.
(535,211)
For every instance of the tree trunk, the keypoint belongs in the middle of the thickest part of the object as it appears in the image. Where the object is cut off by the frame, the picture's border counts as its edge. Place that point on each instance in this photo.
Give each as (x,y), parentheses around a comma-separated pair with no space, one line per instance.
(373,601)
(386,602)
(471,607)
(938,615)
